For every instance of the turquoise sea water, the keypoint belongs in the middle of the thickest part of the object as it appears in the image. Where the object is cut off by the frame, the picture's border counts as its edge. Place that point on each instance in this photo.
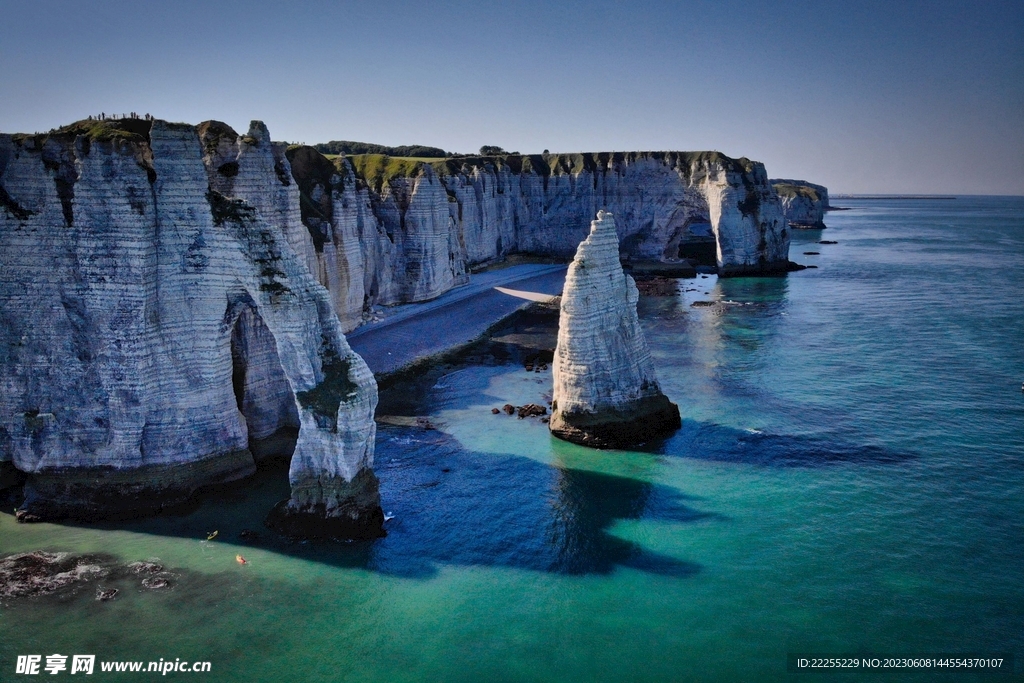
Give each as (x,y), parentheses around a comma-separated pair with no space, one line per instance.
(849,478)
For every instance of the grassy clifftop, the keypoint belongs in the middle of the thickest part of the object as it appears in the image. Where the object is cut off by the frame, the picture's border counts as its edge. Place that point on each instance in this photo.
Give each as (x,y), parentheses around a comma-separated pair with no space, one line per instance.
(94,130)
(789,190)
(378,169)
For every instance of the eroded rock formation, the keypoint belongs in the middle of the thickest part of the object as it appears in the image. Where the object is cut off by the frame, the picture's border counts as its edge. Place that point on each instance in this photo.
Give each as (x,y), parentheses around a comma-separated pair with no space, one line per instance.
(158,329)
(605,393)
(804,204)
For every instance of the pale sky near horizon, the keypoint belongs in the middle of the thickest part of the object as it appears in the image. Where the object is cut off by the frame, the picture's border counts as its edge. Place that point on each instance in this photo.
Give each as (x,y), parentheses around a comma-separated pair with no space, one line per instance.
(863,97)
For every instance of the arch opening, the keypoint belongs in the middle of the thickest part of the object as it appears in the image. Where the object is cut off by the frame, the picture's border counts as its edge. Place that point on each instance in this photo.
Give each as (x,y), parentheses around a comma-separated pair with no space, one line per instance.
(262,391)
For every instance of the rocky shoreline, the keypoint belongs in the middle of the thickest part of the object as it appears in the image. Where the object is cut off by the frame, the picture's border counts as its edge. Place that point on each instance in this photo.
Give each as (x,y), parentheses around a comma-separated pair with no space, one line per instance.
(40,573)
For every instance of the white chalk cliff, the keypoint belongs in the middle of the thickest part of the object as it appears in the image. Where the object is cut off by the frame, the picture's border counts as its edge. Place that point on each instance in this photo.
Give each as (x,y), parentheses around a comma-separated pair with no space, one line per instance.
(804,204)
(605,390)
(389,231)
(158,328)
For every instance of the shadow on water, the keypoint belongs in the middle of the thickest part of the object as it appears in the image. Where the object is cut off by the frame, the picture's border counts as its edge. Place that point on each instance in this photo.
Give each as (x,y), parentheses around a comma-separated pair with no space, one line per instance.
(709,441)
(467,508)
(452,506)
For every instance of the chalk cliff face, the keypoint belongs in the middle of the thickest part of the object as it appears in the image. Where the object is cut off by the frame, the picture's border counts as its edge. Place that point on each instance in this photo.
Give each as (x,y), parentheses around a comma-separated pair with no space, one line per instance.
(605,390)
(381,244)
(804,204)
(420,226)
(158,329)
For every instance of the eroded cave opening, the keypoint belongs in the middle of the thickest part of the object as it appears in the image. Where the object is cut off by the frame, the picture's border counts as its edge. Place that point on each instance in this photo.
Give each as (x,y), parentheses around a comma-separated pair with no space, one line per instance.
(699,244)
(262,391)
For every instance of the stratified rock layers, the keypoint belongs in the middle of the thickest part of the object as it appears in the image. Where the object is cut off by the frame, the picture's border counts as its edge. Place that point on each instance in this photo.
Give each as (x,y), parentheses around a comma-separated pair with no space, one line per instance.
(804,204)
(388,231)
(605,391)
(157,328)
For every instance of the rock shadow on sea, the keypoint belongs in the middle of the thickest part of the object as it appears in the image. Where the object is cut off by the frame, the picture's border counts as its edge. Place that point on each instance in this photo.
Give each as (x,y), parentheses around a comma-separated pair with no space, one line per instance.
(453,506)
(721,443)
(460,507)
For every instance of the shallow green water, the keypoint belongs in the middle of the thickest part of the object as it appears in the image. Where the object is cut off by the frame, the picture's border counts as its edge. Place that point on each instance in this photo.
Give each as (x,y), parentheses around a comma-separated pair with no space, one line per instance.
(848,478)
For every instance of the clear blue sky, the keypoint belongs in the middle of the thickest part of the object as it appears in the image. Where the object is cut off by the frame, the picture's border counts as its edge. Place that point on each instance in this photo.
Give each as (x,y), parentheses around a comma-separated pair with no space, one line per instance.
(893,96)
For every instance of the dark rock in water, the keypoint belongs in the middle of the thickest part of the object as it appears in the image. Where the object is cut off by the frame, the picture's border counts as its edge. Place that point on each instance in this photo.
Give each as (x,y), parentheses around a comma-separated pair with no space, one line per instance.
(654,419)
(640,269)
(509,409)
(703,304)
(92,493)
(424,423)
(657,286)
(811,253)
(104,595)
(495,411)
(828,242)
(704,277)
(316,525)
(532,410)
(794,267)
(545,420)
(810,266)
(358,517)
(40,573)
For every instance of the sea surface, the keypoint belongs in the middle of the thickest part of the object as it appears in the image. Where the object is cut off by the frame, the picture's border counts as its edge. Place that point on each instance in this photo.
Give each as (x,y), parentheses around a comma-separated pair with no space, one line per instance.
(849,478)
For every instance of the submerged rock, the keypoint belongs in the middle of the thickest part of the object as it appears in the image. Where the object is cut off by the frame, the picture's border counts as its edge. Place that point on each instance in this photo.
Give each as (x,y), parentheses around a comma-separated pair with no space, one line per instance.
(40,573)
(104,595)
(531,410)
(605,391)
(657,286)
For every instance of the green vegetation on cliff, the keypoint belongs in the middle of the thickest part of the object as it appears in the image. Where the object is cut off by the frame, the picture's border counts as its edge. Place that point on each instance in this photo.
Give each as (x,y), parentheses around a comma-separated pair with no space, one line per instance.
(337,147)
(319,176)
(377,169)
(788,190)
(212,133)
(109,130)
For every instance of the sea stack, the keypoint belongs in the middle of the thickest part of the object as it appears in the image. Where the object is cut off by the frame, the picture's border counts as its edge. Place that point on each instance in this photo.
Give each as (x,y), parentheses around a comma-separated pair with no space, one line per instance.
(605,391)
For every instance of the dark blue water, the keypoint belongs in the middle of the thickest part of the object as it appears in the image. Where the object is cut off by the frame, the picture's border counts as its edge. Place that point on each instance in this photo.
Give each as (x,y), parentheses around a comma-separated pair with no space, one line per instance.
(849,478)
